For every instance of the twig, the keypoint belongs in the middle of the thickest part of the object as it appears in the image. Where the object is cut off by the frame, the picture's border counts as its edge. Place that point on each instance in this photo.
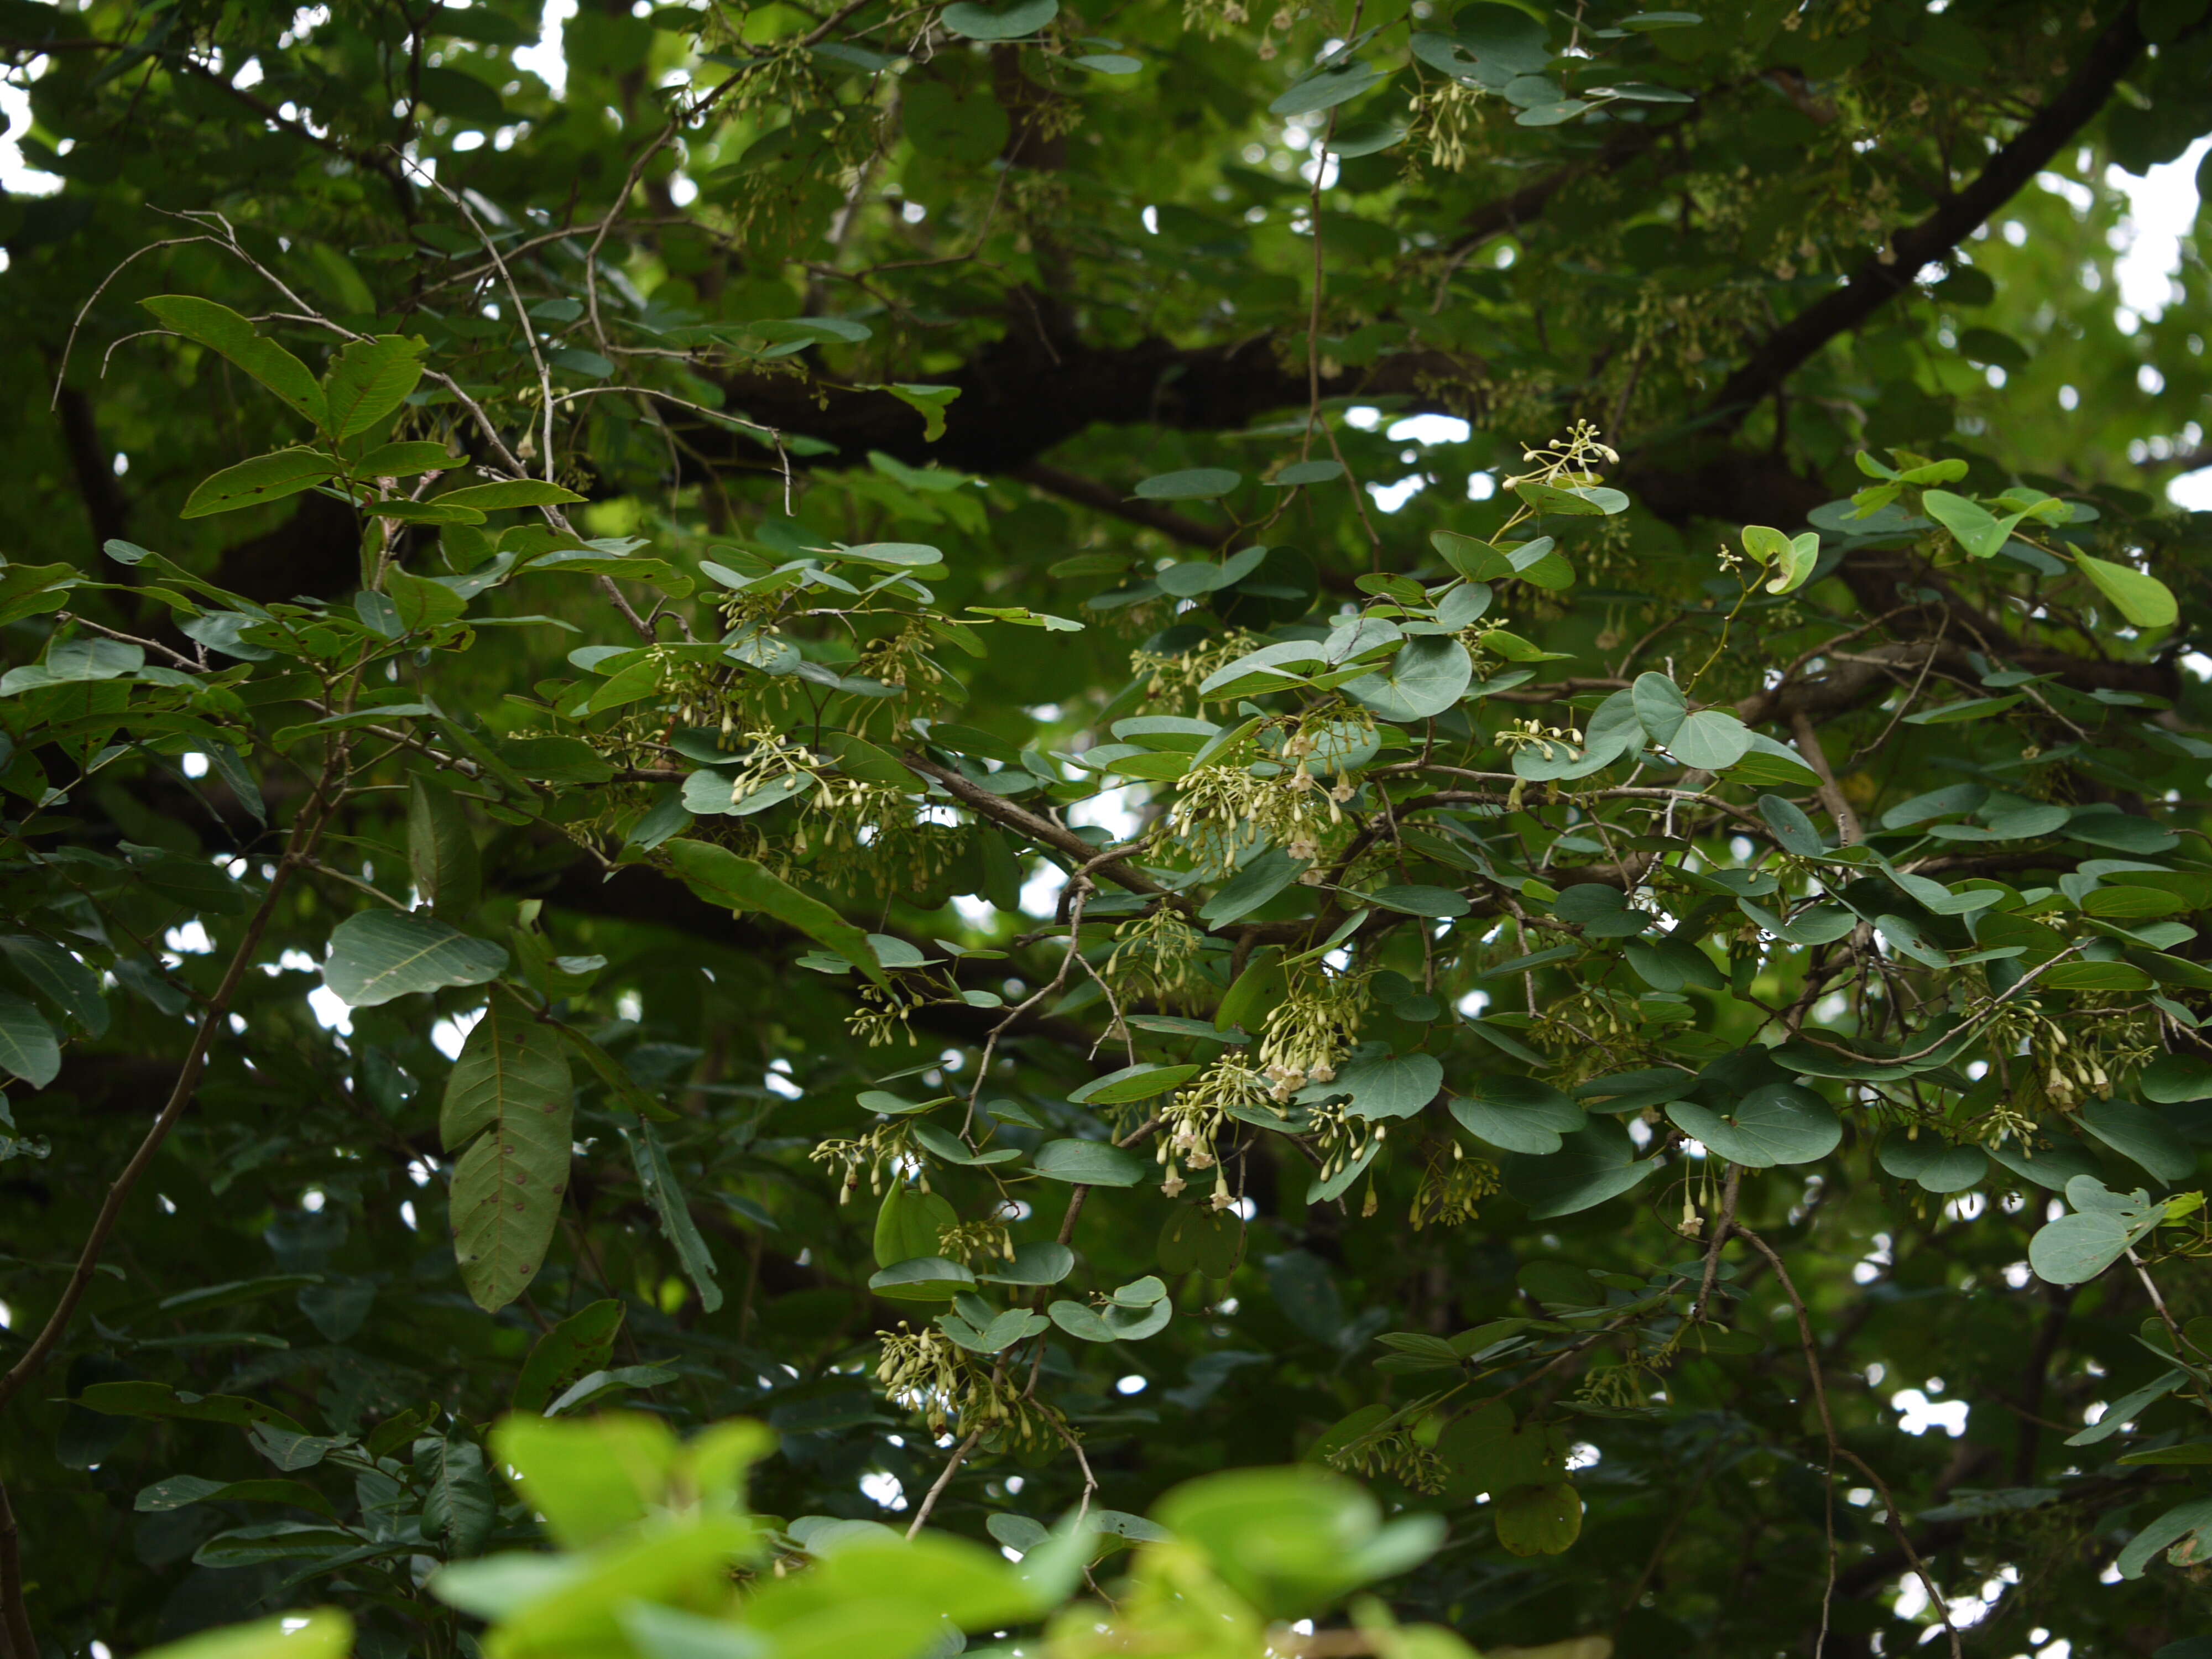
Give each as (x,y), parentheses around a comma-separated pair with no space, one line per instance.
(1836,1450)
(943,1479)
(15,1616)
(305,832)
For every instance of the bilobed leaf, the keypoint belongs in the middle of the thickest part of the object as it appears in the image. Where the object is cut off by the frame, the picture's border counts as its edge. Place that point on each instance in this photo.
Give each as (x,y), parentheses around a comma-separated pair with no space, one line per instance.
(264,478)
(657,1181)
(1659,705)
(1794,562)
(224,331)
(2135,594)
(1775,1123)
(1542,1520)
(2077,1247)
(1593,1166)
(2142,1137)
(720,877)
(1428,675)
(371,379)
(1972,525)
(1013,22)
(1389,1085)
(1043,1262)
(1710,740)
(383,954)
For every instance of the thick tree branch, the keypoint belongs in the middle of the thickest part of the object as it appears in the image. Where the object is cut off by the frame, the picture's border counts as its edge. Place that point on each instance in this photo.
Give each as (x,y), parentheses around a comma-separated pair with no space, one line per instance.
(1894,270)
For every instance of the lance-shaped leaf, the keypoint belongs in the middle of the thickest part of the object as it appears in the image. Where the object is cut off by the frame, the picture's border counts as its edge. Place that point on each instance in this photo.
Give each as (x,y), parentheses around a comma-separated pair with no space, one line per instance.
(512,1083)
(658,1181)
(223,330)
(720,877)
(460,1505)
(383,954)
(269,478)
(371,379)
(26,1043)
(441,850)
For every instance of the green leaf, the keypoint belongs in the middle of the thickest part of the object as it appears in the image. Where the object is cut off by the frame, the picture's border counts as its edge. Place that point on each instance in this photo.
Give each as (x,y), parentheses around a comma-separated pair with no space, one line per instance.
(1041,1262)
(1088,1163)
(2078,1247)
(2142,1137)
(909,1223)
(1794,561)
(1337,84)
(2174,1078)
(1429,675)
(1389,1085)
(511,1063)
(224,331)
(506,1198)
(1258,882)
(1199,484)
(460,1506)
(370,379)
(1013,22)
(323,1633)
(921,1279)
(442,849)
(657,1181)
(1539,1520)
(1198,1238)
(1972,525)
(507,494)
(2140,597)
(720,877)
(28,1047)
(1438,902)
(930,402)
(159,1399)
(383,954)
(1710,740)
(1518,1114)
(404,460)
(1792,828)
(2171,1530)
(1776,1123)
(60,978)
(1660,706)
(1593,1165)
(1132,1083)
(1290,1539)
(583,1342)
(264,478)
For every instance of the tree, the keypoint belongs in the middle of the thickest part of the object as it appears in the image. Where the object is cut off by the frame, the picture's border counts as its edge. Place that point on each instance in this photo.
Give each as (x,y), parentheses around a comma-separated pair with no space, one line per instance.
(1080,749)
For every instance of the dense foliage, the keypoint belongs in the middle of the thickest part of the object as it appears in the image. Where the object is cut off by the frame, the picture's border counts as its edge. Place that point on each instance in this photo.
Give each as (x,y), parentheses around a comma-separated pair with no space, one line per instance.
(803,773)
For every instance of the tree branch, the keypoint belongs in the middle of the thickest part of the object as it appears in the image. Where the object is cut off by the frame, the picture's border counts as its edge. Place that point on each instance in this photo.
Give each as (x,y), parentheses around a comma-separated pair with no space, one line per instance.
(1894,270)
